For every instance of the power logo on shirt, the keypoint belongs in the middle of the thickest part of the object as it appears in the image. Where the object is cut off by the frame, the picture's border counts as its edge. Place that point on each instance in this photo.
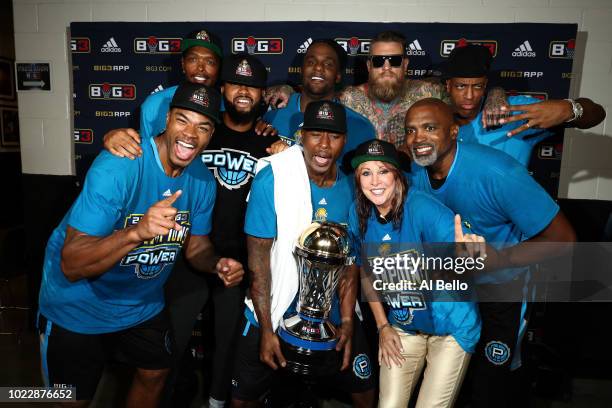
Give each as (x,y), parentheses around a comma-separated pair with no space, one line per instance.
(404,304)
(320,214)
(232,168)
(151,257)
(402,279)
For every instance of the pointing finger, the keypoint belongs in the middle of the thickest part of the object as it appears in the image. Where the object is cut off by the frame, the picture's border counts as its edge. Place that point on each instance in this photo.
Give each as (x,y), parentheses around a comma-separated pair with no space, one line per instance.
(168,201)
(458,229)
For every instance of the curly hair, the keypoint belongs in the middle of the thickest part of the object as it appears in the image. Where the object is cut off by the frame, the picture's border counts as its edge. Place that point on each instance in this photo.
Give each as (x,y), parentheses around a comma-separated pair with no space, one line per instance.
(364,206)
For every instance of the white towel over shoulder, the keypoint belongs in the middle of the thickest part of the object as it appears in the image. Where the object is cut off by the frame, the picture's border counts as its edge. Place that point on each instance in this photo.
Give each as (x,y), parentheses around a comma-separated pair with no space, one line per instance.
(293,208)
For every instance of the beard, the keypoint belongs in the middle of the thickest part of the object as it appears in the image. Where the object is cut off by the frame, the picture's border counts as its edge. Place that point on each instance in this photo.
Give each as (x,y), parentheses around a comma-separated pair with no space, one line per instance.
(424,161)
(239,117)
(385,89)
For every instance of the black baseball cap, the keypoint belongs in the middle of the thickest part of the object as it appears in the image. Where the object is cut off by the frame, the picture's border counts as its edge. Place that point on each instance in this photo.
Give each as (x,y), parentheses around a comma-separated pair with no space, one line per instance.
(198,98)
(203,39)
(325,115)
(375,150)
(244,69)
(470,61)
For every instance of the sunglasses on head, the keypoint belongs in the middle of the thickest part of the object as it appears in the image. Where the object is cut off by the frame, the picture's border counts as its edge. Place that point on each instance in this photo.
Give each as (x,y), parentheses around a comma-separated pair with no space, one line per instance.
(379,60)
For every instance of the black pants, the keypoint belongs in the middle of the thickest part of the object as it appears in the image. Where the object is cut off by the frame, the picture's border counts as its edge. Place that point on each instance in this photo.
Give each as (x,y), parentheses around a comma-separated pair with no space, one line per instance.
(187,292)
(490,376)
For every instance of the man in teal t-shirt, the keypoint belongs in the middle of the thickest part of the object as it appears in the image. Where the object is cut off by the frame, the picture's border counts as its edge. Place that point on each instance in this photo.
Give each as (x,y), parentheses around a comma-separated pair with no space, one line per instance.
(499,200)
(322,69)
(107,262)
(258,352)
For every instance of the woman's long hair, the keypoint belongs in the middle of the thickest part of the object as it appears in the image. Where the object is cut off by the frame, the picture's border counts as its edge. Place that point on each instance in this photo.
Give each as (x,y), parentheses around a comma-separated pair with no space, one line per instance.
(364,206)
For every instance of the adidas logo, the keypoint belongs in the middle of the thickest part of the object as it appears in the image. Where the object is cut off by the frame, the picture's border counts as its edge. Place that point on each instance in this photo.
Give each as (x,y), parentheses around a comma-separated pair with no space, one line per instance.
(387,237)
(414,48)
(323,202)
(167,193)
(157,89)
(524,50)
(110,46)
(304,46)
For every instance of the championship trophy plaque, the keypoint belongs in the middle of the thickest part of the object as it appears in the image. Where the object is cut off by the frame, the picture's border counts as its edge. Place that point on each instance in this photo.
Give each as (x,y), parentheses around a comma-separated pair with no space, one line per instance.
(308,337)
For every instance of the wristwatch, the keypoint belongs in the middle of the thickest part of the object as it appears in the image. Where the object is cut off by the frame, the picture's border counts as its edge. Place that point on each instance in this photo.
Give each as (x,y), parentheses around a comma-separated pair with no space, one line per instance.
(577,109)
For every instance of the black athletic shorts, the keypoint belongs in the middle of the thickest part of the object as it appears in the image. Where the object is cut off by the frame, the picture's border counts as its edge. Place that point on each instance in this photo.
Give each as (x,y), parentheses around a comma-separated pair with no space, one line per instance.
(252,379)
(77,360)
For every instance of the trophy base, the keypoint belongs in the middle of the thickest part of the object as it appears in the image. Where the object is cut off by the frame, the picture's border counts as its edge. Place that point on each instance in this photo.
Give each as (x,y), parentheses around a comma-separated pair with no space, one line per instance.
(309,346)
(310,363)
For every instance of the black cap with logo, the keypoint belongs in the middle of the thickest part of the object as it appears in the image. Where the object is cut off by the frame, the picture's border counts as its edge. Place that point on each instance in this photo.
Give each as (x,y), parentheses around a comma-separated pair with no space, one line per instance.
(203,39)
(325,115)
(244,69)
(375,150)
(470,61)
(198,98)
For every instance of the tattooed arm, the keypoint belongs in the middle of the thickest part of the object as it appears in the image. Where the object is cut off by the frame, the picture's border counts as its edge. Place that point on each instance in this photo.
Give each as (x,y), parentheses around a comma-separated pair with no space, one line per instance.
(259,267)
(261,283)
(347,292)
(430,87)
(431,79)
(495,107)
(278,96)
(354,97)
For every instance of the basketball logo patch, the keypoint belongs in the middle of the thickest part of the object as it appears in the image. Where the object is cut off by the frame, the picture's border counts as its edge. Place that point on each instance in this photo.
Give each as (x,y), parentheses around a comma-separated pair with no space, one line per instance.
(497,352)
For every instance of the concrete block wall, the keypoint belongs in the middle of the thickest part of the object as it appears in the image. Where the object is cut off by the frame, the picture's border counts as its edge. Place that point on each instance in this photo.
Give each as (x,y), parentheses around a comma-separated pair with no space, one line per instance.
(40,35)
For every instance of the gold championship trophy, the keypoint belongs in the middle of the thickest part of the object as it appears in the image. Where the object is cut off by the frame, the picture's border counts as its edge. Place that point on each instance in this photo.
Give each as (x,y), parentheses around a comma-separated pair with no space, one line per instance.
(308,337)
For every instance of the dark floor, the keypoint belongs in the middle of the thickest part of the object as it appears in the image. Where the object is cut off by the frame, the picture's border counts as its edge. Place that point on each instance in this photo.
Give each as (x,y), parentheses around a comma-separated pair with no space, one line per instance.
(20,363)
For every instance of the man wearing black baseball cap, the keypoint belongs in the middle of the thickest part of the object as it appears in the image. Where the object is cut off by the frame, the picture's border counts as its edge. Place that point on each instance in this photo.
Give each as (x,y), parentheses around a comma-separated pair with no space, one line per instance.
(303,174)
(200,62)
(466,72)
(108,260)
(322,69)
(232,156)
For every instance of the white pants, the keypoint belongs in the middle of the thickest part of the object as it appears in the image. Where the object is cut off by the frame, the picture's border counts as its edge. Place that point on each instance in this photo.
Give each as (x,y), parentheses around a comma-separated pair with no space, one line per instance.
(446,366)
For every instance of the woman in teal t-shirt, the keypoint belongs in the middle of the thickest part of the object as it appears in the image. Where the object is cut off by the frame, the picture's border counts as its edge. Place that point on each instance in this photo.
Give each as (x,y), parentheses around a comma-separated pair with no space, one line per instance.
(391,220)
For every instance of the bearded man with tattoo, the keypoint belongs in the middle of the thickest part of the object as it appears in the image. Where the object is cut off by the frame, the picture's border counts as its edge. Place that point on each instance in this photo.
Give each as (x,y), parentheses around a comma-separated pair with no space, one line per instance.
(388,94)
